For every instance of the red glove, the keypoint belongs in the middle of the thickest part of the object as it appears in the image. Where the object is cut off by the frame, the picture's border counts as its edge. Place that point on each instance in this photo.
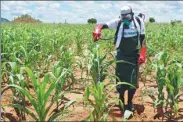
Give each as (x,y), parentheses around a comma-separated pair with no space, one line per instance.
(142,56)
(97,33)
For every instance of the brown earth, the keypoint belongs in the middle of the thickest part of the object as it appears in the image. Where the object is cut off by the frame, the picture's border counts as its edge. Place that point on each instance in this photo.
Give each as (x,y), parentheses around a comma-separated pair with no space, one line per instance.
(143,105)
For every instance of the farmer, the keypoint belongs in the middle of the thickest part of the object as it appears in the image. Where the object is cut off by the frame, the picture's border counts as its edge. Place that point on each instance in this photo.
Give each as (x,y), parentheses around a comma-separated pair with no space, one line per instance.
(130,45)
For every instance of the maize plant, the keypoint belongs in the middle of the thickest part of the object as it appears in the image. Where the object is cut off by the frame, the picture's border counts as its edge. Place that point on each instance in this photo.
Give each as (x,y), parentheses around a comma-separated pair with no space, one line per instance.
(98,88)
(15,77)
(43,100)
(67,61)
(161,62)
(97,65)
(101,104)
(51,49)
(61,75)
(175,82)
(81,64)
(79,44)
(169,76)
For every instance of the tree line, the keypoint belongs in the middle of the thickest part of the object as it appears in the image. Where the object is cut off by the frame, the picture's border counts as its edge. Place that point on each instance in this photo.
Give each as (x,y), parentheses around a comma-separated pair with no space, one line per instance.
(151,20)
(26,18)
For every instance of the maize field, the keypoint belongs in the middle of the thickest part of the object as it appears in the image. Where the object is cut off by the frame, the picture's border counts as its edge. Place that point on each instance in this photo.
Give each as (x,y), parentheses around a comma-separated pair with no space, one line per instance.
(56,72)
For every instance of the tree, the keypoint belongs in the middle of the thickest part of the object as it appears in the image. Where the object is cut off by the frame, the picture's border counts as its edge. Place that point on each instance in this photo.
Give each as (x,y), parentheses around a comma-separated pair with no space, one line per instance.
(92,21)
(25,16)
(151,19)
(173,22)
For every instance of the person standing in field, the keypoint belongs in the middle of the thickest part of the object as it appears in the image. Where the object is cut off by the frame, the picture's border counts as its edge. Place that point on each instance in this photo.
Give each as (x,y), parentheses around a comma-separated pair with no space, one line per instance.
(131,47)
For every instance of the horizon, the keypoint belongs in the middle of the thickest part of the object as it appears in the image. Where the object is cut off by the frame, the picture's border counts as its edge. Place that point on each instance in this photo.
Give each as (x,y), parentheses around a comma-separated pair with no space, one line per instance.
(76,12)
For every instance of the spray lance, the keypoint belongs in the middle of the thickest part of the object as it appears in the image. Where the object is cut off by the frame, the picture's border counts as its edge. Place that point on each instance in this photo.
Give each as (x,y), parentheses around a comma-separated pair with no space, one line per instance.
(96,37)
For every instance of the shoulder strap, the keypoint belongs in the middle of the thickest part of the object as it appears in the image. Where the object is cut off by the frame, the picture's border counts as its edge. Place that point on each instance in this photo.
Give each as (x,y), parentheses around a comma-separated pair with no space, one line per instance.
(138,33)
(119,23)
(117,30)
(138,20)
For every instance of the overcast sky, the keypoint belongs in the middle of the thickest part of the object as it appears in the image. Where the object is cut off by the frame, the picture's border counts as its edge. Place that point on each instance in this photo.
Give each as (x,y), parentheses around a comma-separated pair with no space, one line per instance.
(80,11)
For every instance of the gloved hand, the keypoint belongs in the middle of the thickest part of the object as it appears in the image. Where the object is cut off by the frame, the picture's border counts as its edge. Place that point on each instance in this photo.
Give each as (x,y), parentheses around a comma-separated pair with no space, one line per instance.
(97,33)
(142,56)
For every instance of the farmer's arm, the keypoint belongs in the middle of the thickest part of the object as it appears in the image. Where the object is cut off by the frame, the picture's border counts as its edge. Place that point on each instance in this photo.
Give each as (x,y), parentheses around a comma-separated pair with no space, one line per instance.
(142,40)
(111,25)
(142,56)
(105,26)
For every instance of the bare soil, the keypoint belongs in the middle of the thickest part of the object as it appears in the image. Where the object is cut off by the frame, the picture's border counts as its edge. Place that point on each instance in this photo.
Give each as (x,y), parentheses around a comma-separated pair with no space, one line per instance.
(144,110)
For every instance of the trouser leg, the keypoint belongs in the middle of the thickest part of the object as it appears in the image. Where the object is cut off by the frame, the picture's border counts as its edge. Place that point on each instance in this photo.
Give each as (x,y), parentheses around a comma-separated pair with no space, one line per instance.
(126,73)
(131,93)
(126,76)
(120,89)
(121,92)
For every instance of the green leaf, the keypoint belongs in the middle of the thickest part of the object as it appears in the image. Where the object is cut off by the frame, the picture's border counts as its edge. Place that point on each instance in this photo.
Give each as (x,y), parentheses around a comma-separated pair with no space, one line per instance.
(178,96)
(91,117)
(55,115)
(86,119)
(21,107)
(31,75)
(28,95)
(13,66)
(69,104)
(86,94)
(48,92)
(25,53)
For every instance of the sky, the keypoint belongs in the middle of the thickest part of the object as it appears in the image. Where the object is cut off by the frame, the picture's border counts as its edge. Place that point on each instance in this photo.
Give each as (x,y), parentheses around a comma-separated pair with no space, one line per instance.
(81,11)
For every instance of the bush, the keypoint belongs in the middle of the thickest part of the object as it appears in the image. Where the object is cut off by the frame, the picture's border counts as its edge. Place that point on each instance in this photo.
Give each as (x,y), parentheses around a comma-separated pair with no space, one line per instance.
(173,22)
(151,19)
(92,21)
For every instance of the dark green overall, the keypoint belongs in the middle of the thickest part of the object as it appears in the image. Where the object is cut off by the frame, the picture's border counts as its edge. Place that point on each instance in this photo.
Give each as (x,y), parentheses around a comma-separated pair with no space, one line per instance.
(127,51)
